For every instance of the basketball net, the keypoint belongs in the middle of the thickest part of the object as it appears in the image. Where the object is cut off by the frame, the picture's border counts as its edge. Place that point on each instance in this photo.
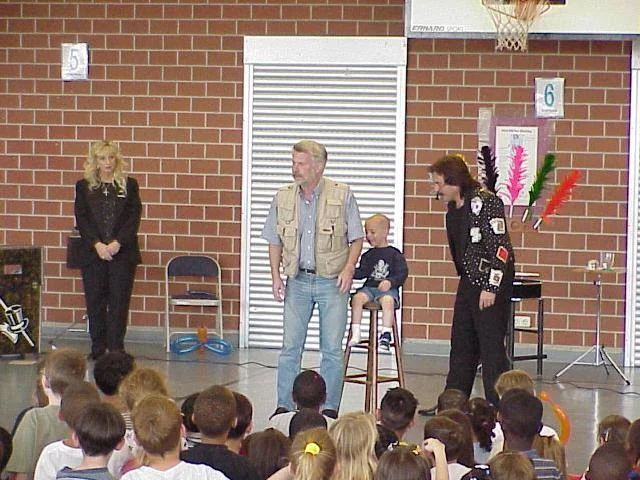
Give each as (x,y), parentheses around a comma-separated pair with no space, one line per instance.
(512,19)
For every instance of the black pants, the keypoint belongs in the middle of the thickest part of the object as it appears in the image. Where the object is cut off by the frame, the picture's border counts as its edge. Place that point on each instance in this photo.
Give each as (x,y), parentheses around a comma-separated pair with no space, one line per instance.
(107,291)
(478,336)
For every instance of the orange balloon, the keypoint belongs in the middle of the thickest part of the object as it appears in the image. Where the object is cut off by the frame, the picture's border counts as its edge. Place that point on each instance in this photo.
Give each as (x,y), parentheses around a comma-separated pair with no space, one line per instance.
(561,416)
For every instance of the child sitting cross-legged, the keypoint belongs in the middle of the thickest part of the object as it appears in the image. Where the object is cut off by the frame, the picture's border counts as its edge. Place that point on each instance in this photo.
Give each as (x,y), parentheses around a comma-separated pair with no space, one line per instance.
(214,413)
(157,424)
(385,269)
(99,430)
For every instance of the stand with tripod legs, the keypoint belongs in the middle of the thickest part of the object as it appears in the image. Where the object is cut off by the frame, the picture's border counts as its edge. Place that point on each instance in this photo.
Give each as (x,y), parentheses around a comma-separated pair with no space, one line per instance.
(600,355)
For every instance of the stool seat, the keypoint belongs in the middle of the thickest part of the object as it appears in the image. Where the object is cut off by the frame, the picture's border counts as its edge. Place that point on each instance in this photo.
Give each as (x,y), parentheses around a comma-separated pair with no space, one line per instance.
(372,377)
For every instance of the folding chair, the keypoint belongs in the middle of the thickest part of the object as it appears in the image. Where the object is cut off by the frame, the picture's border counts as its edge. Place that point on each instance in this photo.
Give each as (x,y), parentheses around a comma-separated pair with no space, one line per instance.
(208,271)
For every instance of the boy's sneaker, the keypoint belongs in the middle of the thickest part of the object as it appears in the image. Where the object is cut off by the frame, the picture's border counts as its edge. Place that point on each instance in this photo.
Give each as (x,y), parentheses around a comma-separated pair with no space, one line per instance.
(384,341)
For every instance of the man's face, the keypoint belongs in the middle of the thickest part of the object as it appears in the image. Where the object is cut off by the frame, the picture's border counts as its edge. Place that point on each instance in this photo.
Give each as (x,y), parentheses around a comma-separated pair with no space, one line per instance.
(446,193)
(304,169)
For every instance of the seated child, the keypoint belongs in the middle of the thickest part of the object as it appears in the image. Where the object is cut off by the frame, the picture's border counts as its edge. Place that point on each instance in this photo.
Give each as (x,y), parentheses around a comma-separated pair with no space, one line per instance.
(354,434)
(483,421)
(465,457)
(108,372)
(313,455)
(214,412)
(613,428)
(309,391)
(397,410)
(549,447)
(158,427)
(244,423)
(193,433)
(306,419)
(268,451)
(99,430)
(41,426)
(452,435)
(385,269)
(609,462)
(402,462)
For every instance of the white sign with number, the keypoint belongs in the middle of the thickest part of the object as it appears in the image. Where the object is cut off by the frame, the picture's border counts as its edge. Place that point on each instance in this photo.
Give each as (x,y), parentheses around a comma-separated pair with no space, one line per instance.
(75,61)
(550,97)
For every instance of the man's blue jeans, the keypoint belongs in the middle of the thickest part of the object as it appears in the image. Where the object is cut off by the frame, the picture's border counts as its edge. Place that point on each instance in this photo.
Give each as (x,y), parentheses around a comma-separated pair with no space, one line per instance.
(301,294)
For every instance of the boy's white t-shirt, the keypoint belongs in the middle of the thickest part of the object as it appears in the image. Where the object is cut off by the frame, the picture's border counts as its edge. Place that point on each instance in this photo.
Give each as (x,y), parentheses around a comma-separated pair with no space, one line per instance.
(498,438)
(57,455)
(182,471)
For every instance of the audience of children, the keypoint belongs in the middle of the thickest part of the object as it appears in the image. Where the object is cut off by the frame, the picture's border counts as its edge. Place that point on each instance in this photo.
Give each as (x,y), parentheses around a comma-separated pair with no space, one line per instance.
(80,434)
(193,433)
(41,426)
(313,455)
(99,431)
(214,413)
(309,391)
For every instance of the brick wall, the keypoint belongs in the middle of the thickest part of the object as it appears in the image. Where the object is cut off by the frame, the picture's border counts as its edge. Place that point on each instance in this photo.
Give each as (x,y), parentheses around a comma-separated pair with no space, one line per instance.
(166,84)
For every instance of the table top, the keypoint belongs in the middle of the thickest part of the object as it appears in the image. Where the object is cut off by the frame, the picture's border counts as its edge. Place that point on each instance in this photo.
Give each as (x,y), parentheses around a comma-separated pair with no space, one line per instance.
(599,271)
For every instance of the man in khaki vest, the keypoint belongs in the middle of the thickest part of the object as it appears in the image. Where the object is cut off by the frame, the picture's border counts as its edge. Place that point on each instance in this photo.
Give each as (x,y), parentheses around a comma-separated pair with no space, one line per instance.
(314,230)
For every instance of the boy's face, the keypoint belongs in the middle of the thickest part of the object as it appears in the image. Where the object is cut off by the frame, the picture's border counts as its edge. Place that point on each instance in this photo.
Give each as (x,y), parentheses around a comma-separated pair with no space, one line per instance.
(376,233)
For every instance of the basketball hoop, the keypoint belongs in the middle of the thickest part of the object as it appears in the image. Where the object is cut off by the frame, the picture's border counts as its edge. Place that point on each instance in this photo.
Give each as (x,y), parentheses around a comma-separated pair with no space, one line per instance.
(512,19)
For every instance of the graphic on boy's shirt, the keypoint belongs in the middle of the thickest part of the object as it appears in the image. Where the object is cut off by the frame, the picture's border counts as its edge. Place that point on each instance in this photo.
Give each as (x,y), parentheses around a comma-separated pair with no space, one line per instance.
(380,270)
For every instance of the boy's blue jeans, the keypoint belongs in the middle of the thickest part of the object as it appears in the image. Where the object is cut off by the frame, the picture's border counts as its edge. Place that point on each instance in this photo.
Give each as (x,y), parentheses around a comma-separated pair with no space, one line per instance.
(301,294)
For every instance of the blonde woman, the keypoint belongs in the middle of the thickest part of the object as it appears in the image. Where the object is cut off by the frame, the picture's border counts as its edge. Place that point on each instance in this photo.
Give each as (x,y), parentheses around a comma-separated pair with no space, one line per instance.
(107,211)
(354,435)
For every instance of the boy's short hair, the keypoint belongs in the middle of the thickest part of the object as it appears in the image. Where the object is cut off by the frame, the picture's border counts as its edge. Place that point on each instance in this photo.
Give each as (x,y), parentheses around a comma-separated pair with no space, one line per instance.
(110,369)
(398,408)
(214,411)
(609,462)
(141,382)
(514,379)
(187,412)
(309,390)
(520,413)
(453,398)
(62,367)
(157,424)
(305,419)
(244,416)
(74,400)
(99,428)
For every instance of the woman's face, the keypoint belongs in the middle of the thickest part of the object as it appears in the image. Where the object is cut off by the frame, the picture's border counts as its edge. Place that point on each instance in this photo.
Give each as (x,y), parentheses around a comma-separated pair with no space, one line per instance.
(106,163)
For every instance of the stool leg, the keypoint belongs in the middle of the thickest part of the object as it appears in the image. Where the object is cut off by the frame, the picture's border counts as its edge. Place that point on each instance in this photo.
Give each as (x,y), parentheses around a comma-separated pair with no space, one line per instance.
(373,353)
(345,369)
(397,345)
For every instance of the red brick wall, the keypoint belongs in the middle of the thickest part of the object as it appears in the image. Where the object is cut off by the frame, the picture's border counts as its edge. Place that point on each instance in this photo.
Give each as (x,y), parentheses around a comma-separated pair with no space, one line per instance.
(166,83)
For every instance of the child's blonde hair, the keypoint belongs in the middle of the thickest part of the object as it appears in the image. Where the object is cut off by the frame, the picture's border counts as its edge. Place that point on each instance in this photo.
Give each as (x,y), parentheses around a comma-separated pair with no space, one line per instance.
(157,422)
(141,382)
(511,465)
(63,367)
(551,448)
(514,379)
(313,455)
(354,435)
(404,462)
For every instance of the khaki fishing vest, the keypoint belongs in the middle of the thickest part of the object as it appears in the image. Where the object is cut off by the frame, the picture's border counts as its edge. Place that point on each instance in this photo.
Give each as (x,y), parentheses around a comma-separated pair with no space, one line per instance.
(331,246)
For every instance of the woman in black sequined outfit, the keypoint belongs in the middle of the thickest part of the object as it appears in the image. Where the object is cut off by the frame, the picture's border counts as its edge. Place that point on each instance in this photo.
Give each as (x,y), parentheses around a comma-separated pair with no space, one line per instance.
(107,210)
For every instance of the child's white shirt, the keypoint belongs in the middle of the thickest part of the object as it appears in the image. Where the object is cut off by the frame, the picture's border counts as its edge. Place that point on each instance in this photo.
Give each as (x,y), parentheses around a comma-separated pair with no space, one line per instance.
(181,471)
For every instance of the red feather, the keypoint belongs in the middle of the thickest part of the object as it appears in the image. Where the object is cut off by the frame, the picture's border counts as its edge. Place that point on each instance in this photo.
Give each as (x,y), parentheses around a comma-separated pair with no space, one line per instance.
(560,195)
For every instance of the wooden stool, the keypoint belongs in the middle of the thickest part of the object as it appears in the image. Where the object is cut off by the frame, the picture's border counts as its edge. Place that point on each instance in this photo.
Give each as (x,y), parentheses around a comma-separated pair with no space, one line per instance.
(372,377)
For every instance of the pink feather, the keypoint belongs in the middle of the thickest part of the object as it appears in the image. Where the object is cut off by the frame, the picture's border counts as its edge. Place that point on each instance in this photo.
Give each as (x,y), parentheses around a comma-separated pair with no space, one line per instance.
(517,172)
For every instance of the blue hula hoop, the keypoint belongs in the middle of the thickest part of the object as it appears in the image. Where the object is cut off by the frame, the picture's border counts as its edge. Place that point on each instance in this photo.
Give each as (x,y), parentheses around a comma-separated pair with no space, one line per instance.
(190,343)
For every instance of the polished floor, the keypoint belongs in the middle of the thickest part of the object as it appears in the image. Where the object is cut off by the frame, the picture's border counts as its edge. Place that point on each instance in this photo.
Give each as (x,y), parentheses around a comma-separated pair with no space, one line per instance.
(586,393)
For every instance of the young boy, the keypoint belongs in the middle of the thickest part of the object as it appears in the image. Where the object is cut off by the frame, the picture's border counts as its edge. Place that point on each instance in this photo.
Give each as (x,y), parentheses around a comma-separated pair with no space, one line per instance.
(158,427)
(244,423)
(214,412)
(41,426)
(109,371)
(385,269)
(99,430)
(397,411)
(68,453)
(520,415)
(309,391)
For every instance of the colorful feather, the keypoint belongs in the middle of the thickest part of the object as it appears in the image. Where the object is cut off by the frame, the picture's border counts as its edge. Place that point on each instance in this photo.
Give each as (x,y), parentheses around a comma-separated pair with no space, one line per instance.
(487,170)
(517,173)
(540,182)
(560,195)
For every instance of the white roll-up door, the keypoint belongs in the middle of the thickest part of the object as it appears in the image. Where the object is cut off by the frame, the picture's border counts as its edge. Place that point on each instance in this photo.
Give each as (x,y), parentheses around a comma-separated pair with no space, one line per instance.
(345,92)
